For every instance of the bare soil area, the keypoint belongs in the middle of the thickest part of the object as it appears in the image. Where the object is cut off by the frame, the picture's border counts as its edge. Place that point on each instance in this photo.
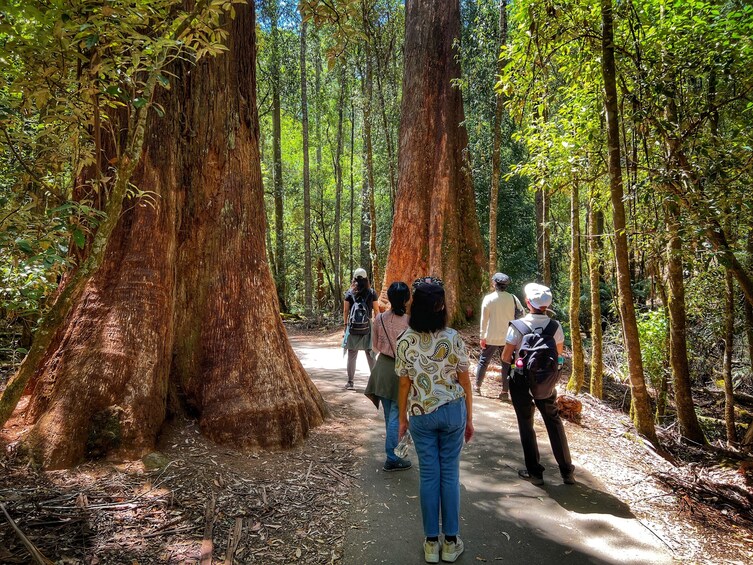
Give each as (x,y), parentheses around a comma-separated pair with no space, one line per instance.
(194,501)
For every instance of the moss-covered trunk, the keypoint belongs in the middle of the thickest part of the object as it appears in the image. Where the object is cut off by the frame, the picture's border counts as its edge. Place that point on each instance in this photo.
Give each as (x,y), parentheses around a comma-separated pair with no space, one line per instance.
(577,373)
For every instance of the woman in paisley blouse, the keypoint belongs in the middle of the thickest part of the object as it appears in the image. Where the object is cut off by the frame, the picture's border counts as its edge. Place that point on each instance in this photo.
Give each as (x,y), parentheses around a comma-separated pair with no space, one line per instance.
(435,391)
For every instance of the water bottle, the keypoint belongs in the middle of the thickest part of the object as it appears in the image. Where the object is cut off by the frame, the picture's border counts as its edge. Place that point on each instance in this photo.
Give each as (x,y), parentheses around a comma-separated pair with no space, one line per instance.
(401,450)
(560,362)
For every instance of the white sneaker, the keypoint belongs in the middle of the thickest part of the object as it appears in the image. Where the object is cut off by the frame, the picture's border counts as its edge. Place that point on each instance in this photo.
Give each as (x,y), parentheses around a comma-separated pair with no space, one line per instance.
(452,550)
(431,551)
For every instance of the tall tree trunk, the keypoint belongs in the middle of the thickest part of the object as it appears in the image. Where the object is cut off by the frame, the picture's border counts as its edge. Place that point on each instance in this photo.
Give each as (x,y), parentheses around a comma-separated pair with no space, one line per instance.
(388,140)
(365,224)
(279,191)
(690,428)
(748,305)
(543,244)
(307,275)
(184,301)
(596,229)
(577,374)
(352,191)
(729,337)
(337,165)
(642,410)
(367,106)
(435,230)
(499,112)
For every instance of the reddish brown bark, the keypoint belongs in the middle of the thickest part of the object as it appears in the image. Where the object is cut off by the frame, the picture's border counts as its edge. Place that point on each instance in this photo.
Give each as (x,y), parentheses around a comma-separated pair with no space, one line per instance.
(184,299)
(435,229)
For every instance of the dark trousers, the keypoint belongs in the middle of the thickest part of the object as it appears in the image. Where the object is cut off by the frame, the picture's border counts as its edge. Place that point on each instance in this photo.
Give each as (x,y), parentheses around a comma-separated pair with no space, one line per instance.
(524,405)
(483,362)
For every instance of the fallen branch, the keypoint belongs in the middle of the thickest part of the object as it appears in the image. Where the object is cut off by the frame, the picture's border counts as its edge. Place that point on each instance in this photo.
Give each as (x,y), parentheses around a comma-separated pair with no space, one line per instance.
(233,541)
(36,555)
(205,558)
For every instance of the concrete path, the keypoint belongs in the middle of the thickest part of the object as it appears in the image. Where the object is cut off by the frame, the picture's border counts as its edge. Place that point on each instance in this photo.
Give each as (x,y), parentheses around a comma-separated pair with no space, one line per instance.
(503,519)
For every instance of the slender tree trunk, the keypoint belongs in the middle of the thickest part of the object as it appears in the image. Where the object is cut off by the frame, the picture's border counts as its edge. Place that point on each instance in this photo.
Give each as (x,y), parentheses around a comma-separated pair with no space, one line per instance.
(577,374)
(543,244)
(279,191)
(351,267)
(367,106)
(435,230)
(641,404)
(748,305)
(336,261)
(307,275)
(499,112)
(690,428)
(388,141)
(596,229)
(184,302)
(729,337)
(365,223)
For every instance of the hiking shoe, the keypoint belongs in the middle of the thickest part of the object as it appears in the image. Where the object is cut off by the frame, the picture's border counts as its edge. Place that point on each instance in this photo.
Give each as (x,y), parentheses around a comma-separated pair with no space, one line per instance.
(533,479)
(568,479)
(399,465)
(431,551)
(452,550)
(350,386)
(504,396)
(477,389)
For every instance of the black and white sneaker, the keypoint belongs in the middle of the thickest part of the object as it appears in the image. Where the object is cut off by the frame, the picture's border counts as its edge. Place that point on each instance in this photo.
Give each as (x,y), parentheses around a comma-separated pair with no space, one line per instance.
(399,465)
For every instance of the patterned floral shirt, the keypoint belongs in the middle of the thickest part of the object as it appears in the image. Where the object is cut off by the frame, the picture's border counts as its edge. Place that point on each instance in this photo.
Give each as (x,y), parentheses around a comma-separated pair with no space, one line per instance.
(431,360)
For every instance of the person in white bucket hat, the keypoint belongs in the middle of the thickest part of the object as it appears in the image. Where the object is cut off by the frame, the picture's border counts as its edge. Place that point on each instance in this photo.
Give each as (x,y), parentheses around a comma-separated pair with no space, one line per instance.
(538,299)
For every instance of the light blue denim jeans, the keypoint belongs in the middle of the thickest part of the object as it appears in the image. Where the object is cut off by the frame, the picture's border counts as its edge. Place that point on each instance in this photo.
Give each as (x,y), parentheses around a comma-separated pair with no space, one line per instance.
(438,438)
(391,423)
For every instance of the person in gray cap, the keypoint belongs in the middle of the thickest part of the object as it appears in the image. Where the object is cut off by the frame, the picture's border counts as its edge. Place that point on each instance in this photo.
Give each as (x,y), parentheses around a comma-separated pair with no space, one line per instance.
(497,310)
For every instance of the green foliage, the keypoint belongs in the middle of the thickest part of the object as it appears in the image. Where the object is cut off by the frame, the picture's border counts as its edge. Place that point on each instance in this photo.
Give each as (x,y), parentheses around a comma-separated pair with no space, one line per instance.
(653,329)
(76,84)
(516,233)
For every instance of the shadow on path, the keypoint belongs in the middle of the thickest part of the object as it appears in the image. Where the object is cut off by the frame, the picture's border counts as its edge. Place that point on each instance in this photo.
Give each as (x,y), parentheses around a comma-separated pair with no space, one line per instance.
(503,518)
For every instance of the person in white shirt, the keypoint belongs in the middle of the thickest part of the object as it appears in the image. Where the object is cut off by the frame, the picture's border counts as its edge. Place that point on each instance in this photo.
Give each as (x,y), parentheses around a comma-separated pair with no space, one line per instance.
(497,310)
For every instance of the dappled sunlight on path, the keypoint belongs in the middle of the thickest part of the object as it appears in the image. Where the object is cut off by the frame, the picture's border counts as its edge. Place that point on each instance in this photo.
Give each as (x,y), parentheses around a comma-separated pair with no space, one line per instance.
(503,519)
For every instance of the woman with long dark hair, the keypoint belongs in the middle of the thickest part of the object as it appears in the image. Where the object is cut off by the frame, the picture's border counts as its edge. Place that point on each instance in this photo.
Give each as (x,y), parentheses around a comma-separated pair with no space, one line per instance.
(383,383)
(358,311)
(435,391)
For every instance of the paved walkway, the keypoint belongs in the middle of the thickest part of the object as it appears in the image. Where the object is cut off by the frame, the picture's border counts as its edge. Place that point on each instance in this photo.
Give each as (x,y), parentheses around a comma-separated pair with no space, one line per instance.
(503,519)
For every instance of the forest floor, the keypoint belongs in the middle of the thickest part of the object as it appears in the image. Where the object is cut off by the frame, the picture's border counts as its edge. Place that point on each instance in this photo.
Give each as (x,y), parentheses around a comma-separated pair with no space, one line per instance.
(194,498)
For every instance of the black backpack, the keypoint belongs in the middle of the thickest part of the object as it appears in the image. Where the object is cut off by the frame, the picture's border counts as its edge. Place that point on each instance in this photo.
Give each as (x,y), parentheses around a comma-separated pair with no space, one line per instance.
(537,358)
(358,320)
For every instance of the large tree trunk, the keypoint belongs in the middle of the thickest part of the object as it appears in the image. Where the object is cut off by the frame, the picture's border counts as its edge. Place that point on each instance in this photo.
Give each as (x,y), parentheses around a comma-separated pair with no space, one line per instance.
(596,229)
(577,374)
(307,276)
(678,348)
(499,112)
(641,405)
(435,230)
(184,300)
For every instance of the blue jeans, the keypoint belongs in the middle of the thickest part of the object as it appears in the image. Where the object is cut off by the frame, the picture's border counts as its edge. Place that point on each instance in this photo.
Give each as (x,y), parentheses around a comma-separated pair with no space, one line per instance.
(391,426)
(438,438)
